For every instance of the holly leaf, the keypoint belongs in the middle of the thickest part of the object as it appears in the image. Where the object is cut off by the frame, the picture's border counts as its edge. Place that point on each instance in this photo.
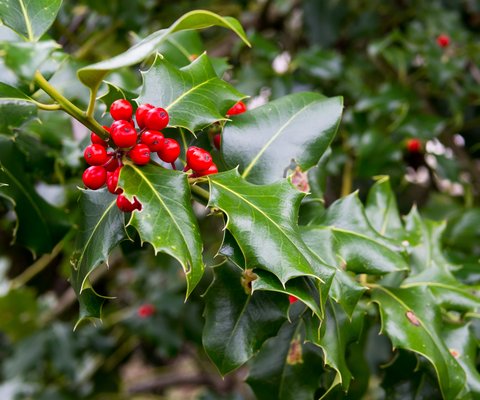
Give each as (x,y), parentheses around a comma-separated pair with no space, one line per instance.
(194,96)
(263,142)
(271,211)
(50,224)
(382,210)
(237,323)
(303,288)
(28,18)
(287,368)
(463,345)
(340,331)
(411,319)
(344,290)
(102,229)
(93,74)
(166,220)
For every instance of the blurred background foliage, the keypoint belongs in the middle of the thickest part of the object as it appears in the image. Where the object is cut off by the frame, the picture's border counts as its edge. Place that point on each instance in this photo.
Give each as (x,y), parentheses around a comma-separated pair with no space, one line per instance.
(398,84)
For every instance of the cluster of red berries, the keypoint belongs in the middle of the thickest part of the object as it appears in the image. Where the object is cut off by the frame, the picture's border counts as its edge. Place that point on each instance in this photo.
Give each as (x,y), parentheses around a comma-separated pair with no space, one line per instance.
(237,108)
(105,157)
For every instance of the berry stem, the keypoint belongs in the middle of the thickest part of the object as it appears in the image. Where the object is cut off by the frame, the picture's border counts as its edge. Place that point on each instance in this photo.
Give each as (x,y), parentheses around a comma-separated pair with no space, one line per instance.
(173,166)
(91,102)
(69,107)
(200,192)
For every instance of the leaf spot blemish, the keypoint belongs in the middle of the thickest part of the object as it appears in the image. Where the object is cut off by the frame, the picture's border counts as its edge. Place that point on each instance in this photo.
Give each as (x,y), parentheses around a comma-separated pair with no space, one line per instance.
(295,352)
(412,318)
(454,353)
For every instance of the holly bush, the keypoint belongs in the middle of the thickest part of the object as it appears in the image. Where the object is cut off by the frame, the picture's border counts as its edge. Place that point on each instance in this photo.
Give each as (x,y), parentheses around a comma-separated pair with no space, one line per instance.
(238,234)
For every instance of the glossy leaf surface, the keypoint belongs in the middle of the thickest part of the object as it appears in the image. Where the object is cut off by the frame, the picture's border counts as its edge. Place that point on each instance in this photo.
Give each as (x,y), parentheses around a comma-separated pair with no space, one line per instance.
(237,323)
(194,96)
(29,18)
(166,220)
(103,228)
(263,142)
(269,212)
(412,321)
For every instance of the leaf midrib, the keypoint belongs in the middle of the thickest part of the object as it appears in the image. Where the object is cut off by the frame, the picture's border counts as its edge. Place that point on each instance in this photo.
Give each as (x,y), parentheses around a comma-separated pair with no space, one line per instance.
(156,194)
(28,25)
(106,212)
(268,218)
(189,91)
(274,137)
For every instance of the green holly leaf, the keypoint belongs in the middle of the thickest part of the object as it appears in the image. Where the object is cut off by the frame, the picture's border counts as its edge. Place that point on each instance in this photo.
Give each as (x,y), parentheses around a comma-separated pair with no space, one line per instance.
(344,290)
(340,331)
(462,344)
(16,108)
(93,74)
(166,220)
(102,229)
(287,368)
(412,321)
(31,19)
(264,141)
(237,323)
(39,225)
(194,96)
(271,211)
(114,93)
(382,210)
(309,292)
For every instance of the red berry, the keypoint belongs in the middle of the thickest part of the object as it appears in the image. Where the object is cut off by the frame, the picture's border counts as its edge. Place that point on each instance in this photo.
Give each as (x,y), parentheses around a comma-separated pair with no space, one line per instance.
(140,114)
(212,169)
(95,139)
(121,110)
(198,159)
(140,154)
(237,108)
(156,119)
(443,40)
(112,181)
(169,151)
(414,145)
(217,141)
(112,164)
(95,154)
(94,177)
(126,206)
(292,299)
(124,135)
(146,310)
(153,139)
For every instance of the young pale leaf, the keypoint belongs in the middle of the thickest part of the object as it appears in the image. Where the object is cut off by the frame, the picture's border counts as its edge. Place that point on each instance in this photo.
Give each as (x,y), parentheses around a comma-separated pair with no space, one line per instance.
(39,225)
(462,344)
(382,211)
(287,368)
(264,141)
(194,96)
(166,220)
(412,321)
(29,18)
(103,228)
(237,323)
(340,330)
(269,212)
(93,74)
